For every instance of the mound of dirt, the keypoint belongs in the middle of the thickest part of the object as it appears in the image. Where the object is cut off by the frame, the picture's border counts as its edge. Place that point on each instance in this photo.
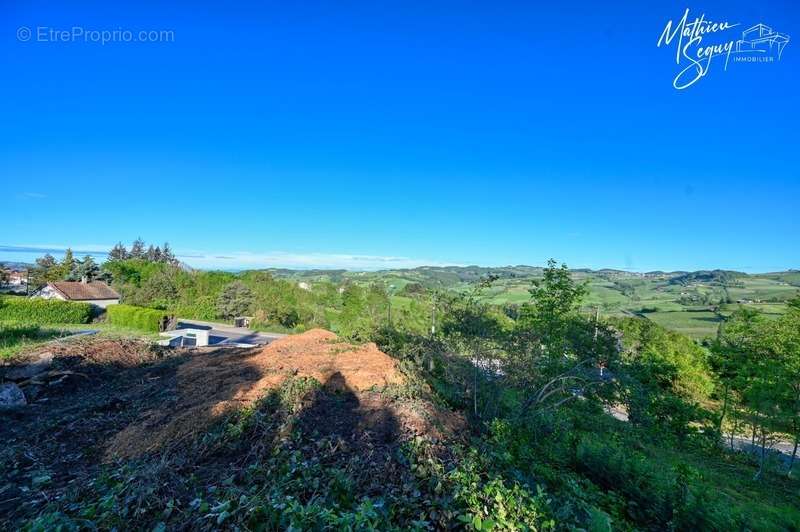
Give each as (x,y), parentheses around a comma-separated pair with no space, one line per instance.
(214,383)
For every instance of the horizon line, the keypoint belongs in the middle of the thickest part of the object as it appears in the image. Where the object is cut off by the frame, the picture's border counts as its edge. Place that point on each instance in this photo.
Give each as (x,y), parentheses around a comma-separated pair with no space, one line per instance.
(299,262)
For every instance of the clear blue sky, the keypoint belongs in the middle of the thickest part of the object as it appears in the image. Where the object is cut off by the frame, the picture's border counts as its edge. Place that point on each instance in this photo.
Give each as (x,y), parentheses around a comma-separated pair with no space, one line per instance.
(369,134)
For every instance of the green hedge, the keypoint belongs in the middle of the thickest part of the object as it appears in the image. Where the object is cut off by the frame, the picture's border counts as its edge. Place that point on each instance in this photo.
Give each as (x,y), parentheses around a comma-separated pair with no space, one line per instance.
(39,311)
(146,319)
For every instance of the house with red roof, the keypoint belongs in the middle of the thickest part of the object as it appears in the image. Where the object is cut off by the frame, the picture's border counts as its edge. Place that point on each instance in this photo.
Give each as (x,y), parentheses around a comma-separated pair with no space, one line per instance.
(96,293)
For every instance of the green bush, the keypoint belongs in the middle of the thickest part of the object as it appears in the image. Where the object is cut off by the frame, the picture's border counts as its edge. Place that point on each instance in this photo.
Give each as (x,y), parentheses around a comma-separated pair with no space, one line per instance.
(145,319)
(650,489)
(37,311)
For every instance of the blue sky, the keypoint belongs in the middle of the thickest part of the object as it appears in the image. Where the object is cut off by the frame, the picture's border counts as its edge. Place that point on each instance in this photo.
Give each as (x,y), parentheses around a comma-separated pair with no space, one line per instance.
(390,134)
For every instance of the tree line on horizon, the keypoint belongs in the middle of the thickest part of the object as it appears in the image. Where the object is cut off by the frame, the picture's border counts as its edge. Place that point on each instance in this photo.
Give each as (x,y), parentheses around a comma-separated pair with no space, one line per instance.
(49,269)
(138,251)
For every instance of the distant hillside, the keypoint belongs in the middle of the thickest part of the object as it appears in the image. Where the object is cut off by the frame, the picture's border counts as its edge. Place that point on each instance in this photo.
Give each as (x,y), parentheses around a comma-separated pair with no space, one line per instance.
(721,277)
(693,303)
(10,265)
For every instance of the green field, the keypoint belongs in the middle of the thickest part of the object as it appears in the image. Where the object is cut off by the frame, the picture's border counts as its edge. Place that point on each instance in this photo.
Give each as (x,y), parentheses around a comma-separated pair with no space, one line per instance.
(692,303)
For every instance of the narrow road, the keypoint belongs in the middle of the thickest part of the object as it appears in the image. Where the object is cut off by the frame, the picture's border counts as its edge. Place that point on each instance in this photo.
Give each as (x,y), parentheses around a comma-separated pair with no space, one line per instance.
(782,449)
(222,332)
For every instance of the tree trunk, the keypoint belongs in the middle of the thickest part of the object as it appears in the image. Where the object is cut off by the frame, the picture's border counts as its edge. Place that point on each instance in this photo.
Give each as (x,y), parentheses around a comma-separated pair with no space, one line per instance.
(763,453)
(794,451)
(733,431)
(475,387)
(724,411)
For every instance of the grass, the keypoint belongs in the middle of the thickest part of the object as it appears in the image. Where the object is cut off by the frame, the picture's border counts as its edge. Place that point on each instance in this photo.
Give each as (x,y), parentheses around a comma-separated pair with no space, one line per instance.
(697,325)
(16,338)
(773,498)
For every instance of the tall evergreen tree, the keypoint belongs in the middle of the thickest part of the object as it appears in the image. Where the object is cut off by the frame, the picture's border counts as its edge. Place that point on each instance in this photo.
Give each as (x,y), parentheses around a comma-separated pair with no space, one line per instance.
(118,252)
(137,249)
(166,254)
(67,265)
(87,269)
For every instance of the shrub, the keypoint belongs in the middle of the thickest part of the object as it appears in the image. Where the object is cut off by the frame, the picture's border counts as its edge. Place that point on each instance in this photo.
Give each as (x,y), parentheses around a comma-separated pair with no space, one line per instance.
(650,489)
(37,311)
(145,319)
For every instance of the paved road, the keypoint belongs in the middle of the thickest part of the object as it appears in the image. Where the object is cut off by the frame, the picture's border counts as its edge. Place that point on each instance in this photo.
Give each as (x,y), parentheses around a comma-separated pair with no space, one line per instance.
(221,332)
(781,449)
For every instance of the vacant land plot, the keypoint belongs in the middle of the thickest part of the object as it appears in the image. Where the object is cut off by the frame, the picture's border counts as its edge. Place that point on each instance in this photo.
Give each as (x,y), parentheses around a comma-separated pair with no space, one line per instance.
(106,405)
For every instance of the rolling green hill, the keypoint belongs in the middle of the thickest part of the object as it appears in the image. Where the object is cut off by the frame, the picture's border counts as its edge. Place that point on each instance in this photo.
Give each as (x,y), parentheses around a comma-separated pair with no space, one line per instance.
(693,303)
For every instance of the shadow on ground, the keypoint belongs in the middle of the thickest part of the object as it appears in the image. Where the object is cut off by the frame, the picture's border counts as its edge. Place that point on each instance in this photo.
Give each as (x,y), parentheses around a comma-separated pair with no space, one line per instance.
(194,419)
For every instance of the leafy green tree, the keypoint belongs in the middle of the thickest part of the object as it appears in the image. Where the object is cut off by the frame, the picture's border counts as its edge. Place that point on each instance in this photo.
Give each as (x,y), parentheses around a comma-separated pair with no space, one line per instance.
(664,377)
(352,322)
(158,290)
(236,299)
(783,337)
(748,341)
(556,354)
(471,327)
(45,271)
(729,359)
(554,299)
(376,303)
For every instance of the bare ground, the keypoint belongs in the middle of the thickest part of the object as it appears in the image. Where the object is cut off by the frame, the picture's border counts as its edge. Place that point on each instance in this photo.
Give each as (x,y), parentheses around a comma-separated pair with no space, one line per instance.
(125,400)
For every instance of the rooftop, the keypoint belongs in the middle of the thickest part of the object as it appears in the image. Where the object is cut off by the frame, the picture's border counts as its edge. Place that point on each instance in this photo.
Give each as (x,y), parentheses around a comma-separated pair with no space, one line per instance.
(78,291)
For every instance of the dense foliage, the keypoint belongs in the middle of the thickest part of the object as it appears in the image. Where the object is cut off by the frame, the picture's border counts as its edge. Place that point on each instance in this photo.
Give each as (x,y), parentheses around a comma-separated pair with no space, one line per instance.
(757,362)
(276,304)
(43,311)
(144,319)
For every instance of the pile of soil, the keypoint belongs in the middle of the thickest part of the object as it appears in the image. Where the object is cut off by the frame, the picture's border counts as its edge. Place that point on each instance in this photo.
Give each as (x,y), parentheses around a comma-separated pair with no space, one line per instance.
(218,382)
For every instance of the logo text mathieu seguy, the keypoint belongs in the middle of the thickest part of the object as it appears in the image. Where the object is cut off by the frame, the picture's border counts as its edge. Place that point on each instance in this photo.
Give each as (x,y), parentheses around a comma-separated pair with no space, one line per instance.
(757,44)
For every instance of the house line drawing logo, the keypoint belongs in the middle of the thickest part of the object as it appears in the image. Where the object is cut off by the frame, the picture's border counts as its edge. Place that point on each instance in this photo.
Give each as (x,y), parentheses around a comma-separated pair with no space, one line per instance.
(761,39)
(700,40)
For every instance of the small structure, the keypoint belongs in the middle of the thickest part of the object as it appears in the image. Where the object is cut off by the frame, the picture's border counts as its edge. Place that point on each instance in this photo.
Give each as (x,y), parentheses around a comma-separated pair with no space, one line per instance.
(96,293)
(242,321)
(186,338)
(17,278)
